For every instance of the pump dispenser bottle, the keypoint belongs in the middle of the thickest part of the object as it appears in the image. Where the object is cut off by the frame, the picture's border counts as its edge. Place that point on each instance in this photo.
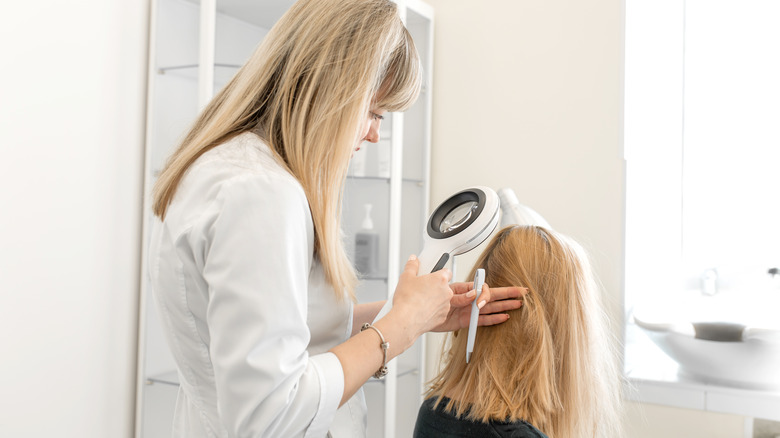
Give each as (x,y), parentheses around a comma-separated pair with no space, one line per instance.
(515,213)
(367,246)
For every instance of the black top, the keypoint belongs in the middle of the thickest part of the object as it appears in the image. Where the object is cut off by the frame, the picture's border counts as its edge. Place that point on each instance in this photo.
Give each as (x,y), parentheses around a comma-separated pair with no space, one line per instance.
(440,423)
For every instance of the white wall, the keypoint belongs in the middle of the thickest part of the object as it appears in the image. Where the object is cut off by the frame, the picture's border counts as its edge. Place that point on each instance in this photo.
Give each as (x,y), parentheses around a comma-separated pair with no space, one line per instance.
(529,95)
(72,104)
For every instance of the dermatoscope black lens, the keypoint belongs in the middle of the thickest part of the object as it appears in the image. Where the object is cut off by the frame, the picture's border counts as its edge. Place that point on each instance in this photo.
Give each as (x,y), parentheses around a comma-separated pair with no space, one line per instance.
(458,216)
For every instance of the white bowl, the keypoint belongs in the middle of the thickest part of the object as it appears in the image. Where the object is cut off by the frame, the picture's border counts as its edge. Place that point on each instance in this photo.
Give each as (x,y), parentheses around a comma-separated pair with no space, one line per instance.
(729,339)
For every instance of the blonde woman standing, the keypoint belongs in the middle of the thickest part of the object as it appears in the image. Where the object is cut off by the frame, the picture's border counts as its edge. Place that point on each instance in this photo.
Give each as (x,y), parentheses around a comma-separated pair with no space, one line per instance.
(550,371)
(248,269)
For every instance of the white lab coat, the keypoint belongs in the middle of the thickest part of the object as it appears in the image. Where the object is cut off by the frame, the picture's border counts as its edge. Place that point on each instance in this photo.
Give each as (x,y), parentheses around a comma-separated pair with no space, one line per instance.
(247,312)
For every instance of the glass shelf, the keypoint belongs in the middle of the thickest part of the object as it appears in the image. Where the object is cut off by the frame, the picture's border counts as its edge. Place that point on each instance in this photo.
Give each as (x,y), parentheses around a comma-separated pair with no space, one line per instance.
(419,182)
(163,70)
(167,378)
(375,277)
(371,178)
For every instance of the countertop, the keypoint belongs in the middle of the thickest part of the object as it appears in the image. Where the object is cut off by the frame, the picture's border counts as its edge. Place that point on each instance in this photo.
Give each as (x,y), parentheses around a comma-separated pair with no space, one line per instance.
(655,378)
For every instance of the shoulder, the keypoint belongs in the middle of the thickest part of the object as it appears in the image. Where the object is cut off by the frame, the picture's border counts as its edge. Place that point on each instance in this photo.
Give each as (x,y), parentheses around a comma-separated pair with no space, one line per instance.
(242,174)
(438,422)
(244,157)
(518,429)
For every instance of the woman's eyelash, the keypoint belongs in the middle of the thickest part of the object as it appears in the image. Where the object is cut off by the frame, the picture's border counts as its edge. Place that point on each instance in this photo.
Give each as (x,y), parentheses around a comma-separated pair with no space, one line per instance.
(376,116)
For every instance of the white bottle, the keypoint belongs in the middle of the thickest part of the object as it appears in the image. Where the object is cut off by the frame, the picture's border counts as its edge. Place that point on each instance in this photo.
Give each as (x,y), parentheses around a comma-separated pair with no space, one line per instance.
(515,213)
(367,246)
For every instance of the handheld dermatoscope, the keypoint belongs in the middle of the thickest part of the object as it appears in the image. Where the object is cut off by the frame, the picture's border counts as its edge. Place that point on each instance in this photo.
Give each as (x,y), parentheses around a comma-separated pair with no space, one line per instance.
(479,280)
(456,226)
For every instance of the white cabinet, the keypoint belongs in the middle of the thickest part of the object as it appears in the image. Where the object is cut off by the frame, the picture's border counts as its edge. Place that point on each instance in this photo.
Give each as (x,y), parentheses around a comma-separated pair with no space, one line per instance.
(400,210)
(196,48)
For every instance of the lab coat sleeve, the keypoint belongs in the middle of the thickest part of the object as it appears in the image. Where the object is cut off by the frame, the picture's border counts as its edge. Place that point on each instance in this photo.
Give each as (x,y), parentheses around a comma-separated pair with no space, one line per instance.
(257,256)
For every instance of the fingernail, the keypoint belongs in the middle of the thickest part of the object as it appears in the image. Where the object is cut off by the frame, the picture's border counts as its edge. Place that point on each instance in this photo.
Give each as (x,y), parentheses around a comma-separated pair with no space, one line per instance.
(412,258)
(471,294)
(481,304)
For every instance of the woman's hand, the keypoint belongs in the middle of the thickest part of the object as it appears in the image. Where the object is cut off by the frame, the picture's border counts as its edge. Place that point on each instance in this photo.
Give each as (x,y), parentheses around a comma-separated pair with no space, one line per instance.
(421,303)
(492,302)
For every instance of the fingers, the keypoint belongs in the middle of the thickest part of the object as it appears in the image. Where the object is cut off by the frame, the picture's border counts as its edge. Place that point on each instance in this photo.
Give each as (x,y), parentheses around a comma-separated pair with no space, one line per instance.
(494,319)
(439,282)
(412,266)
(461,287)
(501,299)
(440,278)
(446,273)
(500,293)
(509,292)
(463,299)
(464,295)
(493,303)
(501,306)
(424,301)
(485,297)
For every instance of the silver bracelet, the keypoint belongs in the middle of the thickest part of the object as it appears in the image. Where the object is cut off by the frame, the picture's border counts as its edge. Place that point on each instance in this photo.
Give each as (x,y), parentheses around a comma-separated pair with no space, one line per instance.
(385,345)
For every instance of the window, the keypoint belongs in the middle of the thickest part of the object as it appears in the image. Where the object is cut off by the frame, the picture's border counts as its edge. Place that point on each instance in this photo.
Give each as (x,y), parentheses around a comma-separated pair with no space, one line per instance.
(702,138)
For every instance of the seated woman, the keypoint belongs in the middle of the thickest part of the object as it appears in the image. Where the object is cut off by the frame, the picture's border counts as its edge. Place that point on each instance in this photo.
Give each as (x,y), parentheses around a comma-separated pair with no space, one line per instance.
(550,370)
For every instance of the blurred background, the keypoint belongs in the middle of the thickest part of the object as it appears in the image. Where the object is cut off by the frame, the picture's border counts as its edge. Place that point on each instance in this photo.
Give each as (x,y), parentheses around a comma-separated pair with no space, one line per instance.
(645,130)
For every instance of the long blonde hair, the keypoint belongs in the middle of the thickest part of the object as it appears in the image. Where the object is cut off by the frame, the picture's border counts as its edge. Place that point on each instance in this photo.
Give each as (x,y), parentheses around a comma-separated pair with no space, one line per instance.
(554,362)
(306,91)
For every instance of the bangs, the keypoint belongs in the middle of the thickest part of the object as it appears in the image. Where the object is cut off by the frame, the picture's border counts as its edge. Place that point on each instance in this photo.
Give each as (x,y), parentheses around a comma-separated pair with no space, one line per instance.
(401,82)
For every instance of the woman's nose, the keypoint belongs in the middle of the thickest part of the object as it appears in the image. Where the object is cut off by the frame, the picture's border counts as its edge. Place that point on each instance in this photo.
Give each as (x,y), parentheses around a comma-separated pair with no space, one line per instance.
(373,133)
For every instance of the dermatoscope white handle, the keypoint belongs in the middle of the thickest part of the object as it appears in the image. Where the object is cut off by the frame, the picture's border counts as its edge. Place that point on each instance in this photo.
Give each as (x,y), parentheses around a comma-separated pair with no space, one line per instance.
(432,256)
(479,280)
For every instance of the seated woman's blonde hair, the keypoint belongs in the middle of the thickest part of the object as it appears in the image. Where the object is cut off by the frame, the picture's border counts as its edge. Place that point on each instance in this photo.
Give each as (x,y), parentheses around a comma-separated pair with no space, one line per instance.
(553,363)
